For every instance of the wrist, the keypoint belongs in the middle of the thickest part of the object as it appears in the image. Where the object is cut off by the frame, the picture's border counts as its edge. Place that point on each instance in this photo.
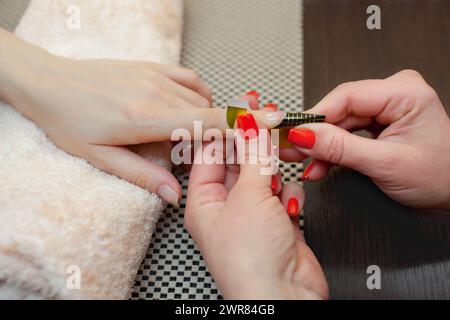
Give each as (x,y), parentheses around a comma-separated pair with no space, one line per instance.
(21,67)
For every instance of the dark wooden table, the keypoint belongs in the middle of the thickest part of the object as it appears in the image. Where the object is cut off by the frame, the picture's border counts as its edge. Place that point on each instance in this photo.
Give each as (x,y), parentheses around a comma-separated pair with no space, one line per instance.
(349,222)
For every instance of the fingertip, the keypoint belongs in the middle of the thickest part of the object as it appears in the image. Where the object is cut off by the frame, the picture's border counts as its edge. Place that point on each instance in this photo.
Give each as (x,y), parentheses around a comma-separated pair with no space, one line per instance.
(293,199)
(277,183)
(316,170)
(169,194)
(252,101)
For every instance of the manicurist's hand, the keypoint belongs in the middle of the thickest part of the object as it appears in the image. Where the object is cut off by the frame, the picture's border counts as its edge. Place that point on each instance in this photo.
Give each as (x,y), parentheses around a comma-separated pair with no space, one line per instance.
(96,109)
(409,157)
(239,219)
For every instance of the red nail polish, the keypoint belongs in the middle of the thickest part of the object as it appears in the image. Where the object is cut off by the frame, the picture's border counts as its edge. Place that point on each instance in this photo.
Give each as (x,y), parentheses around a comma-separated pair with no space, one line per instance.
(274,184)
(248,125)
(292,207)
(271,106)
(253,93)
(301,137)
(308,169)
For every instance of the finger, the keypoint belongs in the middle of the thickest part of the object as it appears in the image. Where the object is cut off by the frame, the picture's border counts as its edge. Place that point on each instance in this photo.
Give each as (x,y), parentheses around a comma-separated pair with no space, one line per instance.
(252,98)
(377,99)
(277,182)
(205,169)
(291,155)
(355,123)
(332,144)
(130,166)
(185,77)
(293,199)
(206,191)
(254,154)
(184,93)
(189,118)
(316,170)
(216,118)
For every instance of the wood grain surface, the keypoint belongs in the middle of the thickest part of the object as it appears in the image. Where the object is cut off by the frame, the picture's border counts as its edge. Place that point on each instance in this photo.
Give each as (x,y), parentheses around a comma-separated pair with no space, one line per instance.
(349,222)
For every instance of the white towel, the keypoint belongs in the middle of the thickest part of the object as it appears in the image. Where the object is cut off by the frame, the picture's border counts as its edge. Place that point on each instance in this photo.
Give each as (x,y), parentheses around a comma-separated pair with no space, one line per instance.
(58,214)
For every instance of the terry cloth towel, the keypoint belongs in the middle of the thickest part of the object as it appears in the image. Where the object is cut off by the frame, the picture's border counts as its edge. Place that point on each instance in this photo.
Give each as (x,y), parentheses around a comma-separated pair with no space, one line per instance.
(68,230)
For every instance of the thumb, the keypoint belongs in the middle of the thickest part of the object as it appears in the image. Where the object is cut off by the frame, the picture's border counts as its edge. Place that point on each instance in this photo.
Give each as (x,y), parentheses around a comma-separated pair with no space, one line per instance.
(333,144)
(130,166)
(255,159)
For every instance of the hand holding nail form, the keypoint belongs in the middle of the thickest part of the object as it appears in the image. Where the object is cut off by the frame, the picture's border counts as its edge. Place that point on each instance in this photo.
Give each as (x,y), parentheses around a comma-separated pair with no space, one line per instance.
(240,220)
(409,157)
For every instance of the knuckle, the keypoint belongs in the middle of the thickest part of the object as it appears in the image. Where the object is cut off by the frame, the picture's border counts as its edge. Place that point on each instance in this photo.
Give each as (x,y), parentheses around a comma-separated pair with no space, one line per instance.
(204,103)
(410,73)
(193,75)
(100,159)
(335,149)
(148,72)
(211,118)
(208,93)
(134,114)
(142,179)
(153,92)
(428,93)
(344,86)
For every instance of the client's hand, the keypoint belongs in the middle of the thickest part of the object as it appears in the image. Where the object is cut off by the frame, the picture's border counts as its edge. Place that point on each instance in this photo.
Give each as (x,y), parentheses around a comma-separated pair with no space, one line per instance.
(239,221)
(409,159)
(95,109)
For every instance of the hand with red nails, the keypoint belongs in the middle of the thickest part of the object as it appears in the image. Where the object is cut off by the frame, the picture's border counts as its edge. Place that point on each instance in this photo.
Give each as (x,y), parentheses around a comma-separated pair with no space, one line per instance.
(239,216)
(409,157)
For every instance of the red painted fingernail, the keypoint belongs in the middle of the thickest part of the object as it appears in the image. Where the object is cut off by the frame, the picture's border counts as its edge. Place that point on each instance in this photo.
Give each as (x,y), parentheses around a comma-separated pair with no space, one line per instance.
(305,176)
(271,106)
(292,207)
(301,137)
(248,125)
(253,93)
(274,184)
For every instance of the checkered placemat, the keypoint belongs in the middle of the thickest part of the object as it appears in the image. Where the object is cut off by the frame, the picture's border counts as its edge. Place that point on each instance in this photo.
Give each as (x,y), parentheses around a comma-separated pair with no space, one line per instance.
(10,13)
(235,46)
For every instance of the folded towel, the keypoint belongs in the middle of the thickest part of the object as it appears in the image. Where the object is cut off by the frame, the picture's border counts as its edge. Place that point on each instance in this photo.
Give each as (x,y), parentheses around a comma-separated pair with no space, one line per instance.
(68,230)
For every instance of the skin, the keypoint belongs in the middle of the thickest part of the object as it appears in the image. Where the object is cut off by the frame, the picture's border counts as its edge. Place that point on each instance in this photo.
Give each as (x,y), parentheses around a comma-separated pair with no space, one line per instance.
(251,246)
(97,109)
(408,157)
(242,229)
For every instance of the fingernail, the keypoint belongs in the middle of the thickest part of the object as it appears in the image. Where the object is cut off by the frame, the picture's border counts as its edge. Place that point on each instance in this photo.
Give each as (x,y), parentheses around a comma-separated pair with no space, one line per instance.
(274,184)
(253,93)
(271,106)
(168,194)
(308,169)
(246,122)
(292,207)
(274,118)
(301,137)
